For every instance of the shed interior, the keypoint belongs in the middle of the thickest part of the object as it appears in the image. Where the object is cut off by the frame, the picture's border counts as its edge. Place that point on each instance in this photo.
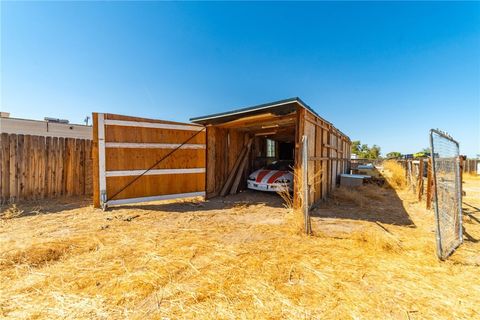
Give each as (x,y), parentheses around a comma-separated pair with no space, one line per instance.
(270,132)
(264,135)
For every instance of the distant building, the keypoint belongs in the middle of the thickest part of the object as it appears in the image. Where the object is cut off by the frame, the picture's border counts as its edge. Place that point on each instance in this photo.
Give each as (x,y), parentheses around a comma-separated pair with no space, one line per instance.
(50,127)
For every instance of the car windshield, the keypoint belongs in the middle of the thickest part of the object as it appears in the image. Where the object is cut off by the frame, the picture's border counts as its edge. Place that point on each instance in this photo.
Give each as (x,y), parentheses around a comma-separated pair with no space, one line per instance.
(283,165)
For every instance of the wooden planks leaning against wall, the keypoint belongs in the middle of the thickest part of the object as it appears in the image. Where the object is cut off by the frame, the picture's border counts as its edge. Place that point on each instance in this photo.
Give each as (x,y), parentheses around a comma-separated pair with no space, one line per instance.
(36,167)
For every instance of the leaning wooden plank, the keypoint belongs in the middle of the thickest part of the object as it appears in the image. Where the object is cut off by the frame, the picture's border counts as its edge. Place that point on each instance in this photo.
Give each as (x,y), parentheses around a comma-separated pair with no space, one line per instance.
(238,177)
(232,174)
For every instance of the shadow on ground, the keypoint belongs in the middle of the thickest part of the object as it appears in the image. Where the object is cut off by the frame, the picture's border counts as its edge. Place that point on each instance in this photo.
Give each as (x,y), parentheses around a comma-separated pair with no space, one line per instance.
(43,206)
(245,198)
(376,202)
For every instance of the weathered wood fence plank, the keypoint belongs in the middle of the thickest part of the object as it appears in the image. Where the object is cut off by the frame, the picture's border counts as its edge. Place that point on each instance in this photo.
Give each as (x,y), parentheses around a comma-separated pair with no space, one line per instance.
(35,167)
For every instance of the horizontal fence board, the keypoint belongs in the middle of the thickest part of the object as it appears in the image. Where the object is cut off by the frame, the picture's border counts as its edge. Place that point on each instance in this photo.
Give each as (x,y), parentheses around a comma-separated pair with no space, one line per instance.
(152,172)
(151,135)
(155,185)
(139,124)
(130,145)
(36,167)
(137,159)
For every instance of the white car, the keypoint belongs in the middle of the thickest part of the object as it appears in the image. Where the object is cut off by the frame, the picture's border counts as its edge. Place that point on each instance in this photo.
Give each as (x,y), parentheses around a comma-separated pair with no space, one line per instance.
(275,177)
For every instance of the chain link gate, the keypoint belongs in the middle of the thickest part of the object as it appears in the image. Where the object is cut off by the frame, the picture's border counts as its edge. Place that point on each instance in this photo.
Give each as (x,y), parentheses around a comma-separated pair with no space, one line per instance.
(447,191)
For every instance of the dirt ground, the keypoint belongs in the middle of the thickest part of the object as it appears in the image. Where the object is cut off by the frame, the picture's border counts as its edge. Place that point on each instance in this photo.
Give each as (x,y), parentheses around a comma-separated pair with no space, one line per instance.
(372,256)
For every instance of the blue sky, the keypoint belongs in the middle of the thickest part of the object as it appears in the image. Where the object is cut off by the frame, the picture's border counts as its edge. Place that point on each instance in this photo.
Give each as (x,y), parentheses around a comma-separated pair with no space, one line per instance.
(383,73)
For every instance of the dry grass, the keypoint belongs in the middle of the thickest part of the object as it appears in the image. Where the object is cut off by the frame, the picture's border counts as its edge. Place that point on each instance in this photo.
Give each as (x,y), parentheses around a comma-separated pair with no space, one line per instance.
(362,197)
(394,174)
(229,259)
(471,176)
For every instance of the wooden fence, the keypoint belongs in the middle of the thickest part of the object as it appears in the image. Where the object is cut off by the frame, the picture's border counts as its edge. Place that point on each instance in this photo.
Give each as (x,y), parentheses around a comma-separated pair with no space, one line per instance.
(419,177)
(470,165)
(36,167)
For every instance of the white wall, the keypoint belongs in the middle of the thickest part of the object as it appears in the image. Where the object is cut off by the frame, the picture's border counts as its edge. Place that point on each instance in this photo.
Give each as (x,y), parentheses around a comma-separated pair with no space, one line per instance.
(43,128)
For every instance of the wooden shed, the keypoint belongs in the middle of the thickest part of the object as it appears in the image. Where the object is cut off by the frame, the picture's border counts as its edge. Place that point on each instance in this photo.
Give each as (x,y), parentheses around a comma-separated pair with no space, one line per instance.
(143,159)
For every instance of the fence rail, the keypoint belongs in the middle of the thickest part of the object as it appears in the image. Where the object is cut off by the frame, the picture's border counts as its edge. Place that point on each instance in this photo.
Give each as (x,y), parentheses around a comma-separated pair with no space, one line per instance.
(36,167)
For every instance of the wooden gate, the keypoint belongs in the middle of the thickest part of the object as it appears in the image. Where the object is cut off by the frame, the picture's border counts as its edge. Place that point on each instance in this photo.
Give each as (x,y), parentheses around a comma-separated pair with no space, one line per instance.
(138,160)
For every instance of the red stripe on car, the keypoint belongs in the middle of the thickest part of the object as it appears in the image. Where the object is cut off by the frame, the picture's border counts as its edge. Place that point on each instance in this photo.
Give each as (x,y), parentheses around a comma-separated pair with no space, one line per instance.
(275,176)
(262,174)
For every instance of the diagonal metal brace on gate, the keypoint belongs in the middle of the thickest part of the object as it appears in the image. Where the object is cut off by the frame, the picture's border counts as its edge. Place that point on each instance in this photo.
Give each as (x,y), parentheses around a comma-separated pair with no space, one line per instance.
(105,201)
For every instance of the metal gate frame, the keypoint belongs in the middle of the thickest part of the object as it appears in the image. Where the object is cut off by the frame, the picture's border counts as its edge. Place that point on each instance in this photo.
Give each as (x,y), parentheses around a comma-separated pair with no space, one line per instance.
(458,190)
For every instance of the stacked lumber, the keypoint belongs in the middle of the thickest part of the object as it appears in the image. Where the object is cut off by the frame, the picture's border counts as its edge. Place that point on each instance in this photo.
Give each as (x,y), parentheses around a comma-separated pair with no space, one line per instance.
(235,176)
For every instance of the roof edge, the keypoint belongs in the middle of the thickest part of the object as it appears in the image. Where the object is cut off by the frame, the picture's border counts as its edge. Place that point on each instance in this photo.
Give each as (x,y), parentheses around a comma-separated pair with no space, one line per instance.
(263,106)
(252,108)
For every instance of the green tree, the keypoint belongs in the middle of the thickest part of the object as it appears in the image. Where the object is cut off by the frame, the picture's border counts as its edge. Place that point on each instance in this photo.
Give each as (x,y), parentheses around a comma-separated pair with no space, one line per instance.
(356,147)
(374,152)
(363,151)
(394,154)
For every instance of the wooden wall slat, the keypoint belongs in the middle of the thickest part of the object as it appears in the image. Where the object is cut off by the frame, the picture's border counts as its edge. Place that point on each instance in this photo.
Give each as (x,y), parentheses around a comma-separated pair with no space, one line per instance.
(42,166)
(210,162)
(21,166)
(88,167)
(5,169)
(61,166)
(13,167)
(32,167)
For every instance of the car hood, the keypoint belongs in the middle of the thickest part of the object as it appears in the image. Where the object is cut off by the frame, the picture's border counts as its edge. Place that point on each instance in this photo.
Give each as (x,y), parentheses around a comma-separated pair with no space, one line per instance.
(270,176)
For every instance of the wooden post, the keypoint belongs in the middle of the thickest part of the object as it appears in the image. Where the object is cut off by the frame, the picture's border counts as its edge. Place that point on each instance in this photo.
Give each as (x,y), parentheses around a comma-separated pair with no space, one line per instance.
(429,183)
(95,171)
(461,164)
(420,180)
(305,191)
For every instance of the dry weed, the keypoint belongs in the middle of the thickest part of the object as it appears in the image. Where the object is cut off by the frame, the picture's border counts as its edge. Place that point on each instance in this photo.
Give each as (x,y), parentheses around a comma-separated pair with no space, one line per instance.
(11,212)
(394,174)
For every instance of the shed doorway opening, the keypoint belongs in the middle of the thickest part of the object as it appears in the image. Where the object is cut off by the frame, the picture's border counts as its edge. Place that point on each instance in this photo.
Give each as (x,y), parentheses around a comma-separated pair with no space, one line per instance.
(242,141)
